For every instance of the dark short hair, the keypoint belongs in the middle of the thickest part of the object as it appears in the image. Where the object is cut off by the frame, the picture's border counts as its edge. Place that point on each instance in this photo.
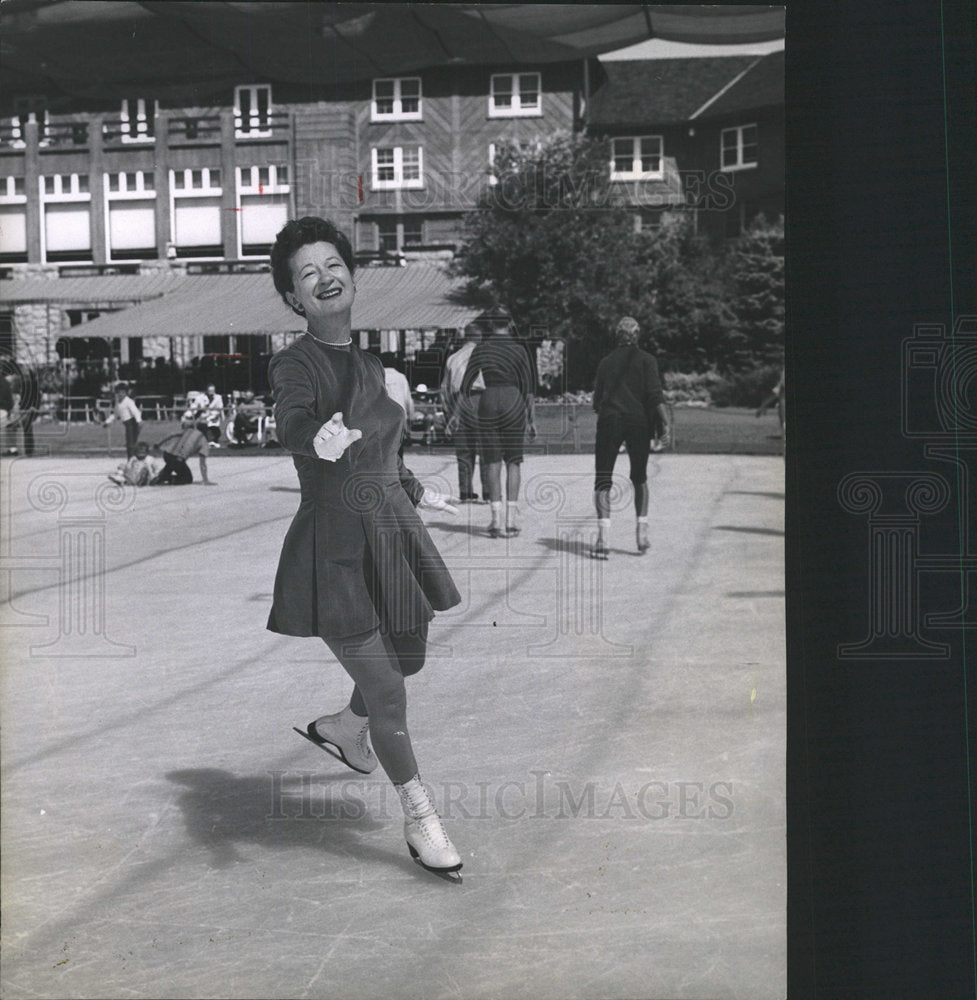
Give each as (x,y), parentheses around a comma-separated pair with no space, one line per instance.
(297,233)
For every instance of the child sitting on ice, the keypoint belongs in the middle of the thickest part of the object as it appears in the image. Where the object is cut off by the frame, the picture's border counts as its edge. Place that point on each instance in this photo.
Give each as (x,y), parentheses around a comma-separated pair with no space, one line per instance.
(138,470)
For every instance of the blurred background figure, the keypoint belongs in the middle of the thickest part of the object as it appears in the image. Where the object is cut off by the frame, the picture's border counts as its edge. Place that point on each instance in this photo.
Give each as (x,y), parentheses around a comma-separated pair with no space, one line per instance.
(398,389)
(210,408)
(461,411)
(631,410)
(778,398)
(247,418)
(130,415)
(505,414)
(189,442)
(6,413)
(139,470)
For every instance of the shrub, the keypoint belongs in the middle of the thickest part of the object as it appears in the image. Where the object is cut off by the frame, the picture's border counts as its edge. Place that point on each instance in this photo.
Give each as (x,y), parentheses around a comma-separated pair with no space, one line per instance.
(695,388)
(746,388)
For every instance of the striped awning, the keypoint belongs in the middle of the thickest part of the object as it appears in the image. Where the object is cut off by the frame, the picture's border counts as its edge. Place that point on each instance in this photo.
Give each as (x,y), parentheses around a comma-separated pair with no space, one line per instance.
(110,289)
(416,296)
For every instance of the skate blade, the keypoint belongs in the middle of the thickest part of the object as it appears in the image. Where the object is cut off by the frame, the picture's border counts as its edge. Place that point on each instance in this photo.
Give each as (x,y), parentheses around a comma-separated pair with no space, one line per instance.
(452,875)
(330,749)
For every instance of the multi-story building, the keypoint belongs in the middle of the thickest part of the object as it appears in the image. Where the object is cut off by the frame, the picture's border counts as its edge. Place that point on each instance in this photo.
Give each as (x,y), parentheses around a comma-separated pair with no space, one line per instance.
(703,135)
(191,165)
(180,186)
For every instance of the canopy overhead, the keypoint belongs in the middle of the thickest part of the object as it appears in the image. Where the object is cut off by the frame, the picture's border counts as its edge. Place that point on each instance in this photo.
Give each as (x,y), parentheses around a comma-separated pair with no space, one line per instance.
(91,47)
(418,296)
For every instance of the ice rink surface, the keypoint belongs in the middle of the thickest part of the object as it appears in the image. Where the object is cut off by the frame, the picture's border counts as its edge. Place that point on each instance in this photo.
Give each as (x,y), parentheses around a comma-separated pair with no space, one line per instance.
(606,742)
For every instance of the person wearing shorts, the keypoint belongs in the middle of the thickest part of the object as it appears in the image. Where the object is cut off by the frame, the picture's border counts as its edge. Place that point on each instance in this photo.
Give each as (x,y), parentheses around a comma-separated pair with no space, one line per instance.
(505,413)
(630,409)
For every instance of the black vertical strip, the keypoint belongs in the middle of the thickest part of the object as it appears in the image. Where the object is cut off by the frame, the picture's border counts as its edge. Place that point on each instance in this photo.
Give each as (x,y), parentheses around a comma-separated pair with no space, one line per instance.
(881,103)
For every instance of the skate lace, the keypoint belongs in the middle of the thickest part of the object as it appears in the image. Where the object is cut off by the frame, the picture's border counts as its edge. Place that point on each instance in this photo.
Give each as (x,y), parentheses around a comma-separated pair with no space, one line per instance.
(362,744)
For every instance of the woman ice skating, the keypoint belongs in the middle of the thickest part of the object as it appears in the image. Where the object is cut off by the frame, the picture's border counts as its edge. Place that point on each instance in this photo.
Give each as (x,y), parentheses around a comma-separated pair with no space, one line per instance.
(357,568)
(505,413)
(629,403)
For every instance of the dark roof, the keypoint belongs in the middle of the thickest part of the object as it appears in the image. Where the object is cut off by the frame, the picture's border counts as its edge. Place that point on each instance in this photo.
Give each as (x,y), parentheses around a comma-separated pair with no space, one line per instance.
(761,86)
(93,49)
(644,92)
(417,295)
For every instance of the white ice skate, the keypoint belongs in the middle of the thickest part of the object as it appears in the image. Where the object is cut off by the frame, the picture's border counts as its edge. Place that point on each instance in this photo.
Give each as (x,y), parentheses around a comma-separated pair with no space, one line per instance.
(426,838)
(641,537)
(346,737)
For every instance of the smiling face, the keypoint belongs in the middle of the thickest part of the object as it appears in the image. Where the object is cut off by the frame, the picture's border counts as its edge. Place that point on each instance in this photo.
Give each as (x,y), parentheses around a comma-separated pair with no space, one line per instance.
(321,283)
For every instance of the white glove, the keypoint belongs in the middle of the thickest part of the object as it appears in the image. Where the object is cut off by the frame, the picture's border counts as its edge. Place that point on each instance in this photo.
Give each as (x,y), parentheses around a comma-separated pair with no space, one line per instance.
(333,438)
(436,501)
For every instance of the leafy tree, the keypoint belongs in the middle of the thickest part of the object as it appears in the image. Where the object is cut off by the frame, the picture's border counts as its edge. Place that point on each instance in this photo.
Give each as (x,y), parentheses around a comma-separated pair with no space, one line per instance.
(548,243)
(756,287)
(551,243)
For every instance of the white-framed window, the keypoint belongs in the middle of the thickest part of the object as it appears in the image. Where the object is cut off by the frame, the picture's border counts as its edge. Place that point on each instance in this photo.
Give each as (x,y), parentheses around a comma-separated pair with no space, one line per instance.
(131,184)
(739,148)
(65,204)
(394,235)
(195,212)
(396,99)
(252,110)
(263,199)
(636,157)
(194,181)
(512,95)
(13,219)
(12,190)
(137,117)
(396,167)
(130,215)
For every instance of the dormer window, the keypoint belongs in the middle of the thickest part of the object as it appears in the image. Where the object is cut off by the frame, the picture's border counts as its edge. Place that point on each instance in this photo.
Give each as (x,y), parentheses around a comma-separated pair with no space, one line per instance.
(514,95)
(252,111)
(396,99)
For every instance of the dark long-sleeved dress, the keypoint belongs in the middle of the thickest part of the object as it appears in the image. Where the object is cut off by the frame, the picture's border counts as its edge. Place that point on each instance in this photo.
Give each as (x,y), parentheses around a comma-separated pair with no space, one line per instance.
(357,554)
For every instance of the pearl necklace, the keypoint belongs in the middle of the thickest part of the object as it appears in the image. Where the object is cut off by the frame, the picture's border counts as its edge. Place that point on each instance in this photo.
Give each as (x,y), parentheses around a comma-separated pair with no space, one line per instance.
(328,343)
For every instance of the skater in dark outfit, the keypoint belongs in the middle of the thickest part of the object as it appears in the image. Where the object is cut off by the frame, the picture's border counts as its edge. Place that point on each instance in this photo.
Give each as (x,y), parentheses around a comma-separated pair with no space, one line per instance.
(630,409)
(505,413)
(357,568)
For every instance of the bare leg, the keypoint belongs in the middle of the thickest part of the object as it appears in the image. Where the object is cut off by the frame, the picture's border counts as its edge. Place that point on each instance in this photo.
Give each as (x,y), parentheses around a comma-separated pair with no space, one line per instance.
(371,661)
(641,499)
(602,502)
(492,475)
(513,481)
(641,512)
